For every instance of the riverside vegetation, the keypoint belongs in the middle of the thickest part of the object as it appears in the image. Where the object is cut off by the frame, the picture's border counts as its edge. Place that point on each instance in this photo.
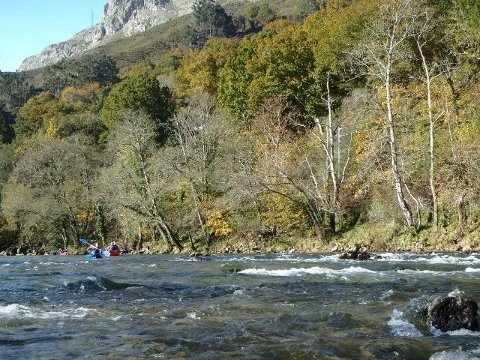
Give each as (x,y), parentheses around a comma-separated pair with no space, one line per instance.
(269,126)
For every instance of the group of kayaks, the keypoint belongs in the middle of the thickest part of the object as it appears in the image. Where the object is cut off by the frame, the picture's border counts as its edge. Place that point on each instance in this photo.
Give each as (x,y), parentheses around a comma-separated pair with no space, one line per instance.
(95,252)
(100,254)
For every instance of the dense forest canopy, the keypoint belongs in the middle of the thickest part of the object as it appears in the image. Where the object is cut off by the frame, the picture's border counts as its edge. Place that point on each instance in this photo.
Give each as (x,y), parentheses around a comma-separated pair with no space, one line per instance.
(333,123)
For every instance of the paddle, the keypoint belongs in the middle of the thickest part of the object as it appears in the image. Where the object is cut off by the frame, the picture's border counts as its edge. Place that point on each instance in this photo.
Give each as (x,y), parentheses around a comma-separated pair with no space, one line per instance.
(83,241)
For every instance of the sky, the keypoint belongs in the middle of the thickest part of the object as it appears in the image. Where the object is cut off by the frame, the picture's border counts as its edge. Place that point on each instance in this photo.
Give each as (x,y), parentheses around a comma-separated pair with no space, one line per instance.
(28,26)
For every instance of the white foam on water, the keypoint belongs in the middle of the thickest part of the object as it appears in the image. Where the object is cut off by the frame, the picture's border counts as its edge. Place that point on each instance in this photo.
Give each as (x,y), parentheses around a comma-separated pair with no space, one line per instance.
(462,332)
(454,260)
(238,292)
(297,259)
(386,295)
(472,270)
(432,259)
(401,327)
(455,293)
(242,259)
(426,272)
(309,271)
(392,257)
(453,355)
(193,315)
(22,311)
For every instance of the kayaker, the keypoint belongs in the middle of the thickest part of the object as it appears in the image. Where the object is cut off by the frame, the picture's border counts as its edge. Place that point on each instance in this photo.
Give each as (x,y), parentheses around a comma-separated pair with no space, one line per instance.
(94,249)
(113,246)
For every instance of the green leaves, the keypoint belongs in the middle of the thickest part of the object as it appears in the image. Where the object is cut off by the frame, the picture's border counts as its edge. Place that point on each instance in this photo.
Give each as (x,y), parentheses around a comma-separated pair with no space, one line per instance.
(87,69)
(140,93)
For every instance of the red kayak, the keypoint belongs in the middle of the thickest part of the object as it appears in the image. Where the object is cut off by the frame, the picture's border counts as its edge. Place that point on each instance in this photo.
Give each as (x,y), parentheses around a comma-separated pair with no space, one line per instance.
(114,252)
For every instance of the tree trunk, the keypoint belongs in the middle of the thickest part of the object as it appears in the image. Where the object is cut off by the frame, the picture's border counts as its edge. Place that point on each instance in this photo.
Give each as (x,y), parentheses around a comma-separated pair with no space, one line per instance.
(431,147)
(462,216)
(331,160)
(140,238)
(397,181)
(164,228)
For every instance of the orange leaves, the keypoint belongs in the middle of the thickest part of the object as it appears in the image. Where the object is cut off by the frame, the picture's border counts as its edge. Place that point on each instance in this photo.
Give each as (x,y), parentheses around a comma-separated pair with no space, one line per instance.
(217,224)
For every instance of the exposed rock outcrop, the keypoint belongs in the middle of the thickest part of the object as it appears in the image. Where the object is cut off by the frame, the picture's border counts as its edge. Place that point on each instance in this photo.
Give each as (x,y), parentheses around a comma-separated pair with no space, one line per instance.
(360,252)
(121,18)
(454,312)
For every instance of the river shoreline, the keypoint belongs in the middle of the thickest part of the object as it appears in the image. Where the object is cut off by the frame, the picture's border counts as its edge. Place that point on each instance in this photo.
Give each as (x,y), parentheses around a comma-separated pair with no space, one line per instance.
(333,249)
(372,240)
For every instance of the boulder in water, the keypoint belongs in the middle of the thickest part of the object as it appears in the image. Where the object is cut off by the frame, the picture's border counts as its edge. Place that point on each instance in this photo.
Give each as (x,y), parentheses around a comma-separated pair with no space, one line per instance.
(359,253)
(454,312)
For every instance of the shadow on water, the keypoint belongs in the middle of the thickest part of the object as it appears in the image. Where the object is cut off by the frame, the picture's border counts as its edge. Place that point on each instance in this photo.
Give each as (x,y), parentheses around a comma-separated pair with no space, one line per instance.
(92,285)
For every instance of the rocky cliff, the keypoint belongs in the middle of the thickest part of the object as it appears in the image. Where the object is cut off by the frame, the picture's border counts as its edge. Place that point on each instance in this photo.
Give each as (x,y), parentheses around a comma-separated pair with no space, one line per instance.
(122,18)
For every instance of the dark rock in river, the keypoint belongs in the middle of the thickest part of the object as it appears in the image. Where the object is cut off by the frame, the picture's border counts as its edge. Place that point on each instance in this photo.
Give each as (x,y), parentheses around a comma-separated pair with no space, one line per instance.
(359,253)
(454,312)
(233,268)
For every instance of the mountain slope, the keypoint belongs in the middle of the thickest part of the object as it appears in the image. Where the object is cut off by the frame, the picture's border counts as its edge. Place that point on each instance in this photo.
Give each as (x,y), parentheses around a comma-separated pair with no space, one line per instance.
(122,18)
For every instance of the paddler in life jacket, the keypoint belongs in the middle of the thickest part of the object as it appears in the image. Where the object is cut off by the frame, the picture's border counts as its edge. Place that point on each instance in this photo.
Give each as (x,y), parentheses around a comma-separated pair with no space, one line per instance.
(113,246)
(94,250)
(113,249)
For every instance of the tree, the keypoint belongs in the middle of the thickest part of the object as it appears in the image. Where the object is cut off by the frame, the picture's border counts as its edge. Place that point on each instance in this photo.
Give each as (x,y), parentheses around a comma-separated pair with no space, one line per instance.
(258,15)
(32,116)
(277,61)
(384,46)
(212,19)
(49,116)
(89,68)
(234,79)
(281,165)
(204,159)
(15,90)
(307,7)
(423,33)
(199,69)
(6,129)
(133,183)
(140,93)
(50,190)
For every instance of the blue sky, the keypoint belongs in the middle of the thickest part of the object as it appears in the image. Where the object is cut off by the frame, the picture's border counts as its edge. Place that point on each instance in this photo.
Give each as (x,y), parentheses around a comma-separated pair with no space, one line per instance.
(28,26)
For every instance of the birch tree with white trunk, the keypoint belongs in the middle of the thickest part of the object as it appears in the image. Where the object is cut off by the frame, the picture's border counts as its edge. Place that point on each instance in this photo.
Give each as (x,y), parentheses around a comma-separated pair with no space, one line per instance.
(383,47)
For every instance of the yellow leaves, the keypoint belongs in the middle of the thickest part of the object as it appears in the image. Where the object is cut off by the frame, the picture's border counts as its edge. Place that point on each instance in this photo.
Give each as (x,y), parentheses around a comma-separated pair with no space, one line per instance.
(335,29)
(84,94)
(83,215)
(217,224)
(52,130)
(280,212)
(197,73)
(278,25)
(469,133)
(199,68)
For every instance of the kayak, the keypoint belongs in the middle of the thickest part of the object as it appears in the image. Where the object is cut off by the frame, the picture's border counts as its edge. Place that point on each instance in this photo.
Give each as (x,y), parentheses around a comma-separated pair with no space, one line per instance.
(93,256)
(108,253)
(63,253)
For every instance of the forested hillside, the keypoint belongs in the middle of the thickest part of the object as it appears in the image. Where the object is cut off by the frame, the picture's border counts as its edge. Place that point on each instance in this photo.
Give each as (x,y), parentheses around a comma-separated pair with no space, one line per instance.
(268,126)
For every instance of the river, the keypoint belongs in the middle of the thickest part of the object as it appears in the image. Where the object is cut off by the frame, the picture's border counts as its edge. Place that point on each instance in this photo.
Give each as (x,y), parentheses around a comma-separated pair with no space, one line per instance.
(282,306)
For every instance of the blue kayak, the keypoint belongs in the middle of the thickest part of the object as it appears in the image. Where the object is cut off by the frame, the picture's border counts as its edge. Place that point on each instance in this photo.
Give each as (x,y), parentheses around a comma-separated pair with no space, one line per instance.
(93,256)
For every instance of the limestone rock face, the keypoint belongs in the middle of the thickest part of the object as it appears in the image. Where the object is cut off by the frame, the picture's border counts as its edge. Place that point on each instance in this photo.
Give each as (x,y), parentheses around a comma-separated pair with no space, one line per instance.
(121,18)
